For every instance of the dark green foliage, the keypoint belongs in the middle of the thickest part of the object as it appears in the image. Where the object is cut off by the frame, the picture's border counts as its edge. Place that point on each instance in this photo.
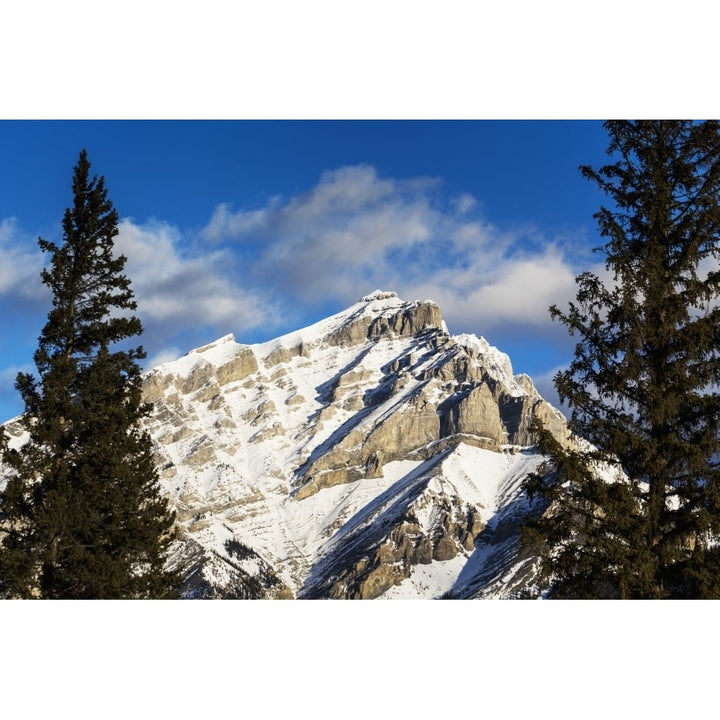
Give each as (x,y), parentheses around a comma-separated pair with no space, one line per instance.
(248,587)
(81,514)
(643,382)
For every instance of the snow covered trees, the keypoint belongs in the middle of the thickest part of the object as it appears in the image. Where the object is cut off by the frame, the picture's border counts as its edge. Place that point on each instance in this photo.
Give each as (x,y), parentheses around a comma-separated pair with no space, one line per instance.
(643,383)
(81,515)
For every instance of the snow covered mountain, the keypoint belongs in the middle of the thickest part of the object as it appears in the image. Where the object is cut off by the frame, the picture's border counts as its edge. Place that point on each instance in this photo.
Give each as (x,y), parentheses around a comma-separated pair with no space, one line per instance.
(369,455)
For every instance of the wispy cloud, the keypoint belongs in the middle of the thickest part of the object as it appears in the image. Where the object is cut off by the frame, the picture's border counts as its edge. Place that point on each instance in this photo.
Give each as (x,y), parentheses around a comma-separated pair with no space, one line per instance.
(21,263)
(178,287)
(165,355)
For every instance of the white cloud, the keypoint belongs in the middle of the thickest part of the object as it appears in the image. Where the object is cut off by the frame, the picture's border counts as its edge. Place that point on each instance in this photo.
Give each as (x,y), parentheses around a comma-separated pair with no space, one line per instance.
(524,289)
(223,222)
(472,234)
(355,231)
(163,356)
(347,189)
(176,289)
(9,374)
(22,261)
(464,203)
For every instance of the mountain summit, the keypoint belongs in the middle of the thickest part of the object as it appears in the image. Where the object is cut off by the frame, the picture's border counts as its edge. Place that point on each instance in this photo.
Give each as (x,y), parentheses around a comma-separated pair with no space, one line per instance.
(371,454)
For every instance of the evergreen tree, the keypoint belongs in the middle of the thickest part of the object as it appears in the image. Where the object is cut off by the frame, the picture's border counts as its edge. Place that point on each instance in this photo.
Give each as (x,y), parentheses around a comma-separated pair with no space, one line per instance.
(643,383)
(81,514)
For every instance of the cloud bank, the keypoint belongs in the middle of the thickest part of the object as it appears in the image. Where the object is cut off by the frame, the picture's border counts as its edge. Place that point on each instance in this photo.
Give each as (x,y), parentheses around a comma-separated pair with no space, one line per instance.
(356,231)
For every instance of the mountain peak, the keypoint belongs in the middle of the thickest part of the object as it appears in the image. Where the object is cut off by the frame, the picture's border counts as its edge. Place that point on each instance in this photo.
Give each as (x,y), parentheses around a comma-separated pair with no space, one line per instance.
(380,295)
(371,454)
(346,458)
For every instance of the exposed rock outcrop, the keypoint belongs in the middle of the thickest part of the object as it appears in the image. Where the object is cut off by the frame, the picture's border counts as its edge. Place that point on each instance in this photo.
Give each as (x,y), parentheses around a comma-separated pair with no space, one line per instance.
(418,524)
(473,412)
(437,397)
(242,365)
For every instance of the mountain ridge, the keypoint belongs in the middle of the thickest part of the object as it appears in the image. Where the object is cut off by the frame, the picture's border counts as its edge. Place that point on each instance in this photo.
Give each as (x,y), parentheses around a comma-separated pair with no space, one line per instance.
(370,454)
(285,447)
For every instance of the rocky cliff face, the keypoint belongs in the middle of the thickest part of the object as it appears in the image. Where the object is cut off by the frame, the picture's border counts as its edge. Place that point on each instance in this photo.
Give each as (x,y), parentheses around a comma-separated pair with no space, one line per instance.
(369,455)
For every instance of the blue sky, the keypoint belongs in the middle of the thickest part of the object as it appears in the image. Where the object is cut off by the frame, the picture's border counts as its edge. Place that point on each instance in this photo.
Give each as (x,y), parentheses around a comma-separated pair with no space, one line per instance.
(257,228)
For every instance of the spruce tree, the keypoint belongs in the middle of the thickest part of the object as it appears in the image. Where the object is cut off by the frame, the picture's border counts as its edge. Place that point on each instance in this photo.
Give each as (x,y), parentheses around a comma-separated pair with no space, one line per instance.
(81,514)
(643,382)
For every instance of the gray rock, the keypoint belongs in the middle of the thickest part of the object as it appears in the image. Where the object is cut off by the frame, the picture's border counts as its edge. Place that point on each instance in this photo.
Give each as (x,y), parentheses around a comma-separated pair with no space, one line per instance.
(241,366)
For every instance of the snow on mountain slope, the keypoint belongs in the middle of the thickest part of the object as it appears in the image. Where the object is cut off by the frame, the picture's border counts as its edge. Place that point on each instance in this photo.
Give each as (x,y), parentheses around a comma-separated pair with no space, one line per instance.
(368,455)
